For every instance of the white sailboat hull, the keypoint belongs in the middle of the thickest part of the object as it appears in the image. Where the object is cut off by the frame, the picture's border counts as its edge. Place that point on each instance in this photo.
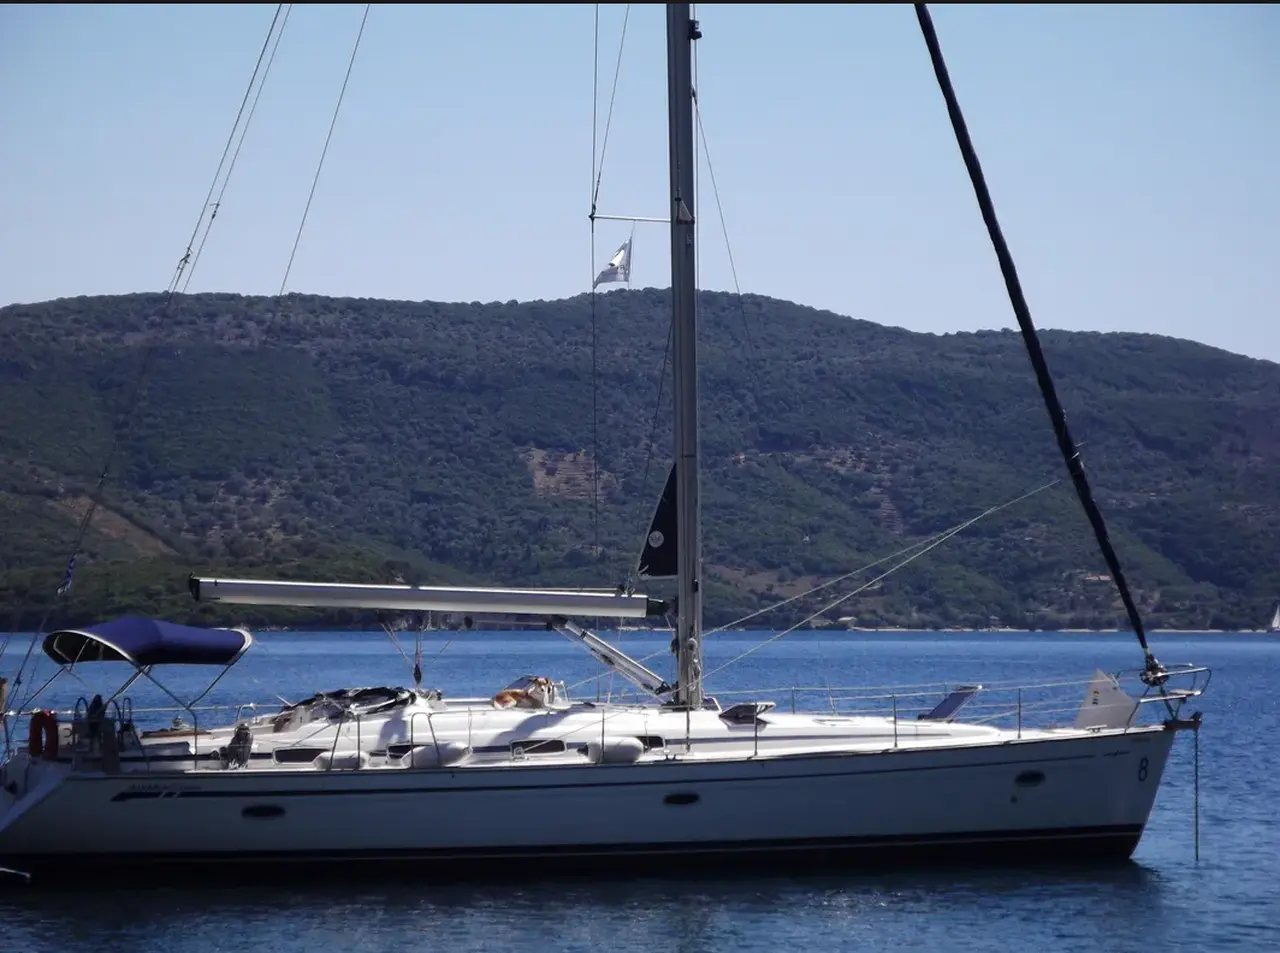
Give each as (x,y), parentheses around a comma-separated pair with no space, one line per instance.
(1076,795)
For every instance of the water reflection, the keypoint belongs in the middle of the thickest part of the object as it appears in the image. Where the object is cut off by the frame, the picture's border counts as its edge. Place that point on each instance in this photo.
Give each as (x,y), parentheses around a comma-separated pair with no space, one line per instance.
(675,915)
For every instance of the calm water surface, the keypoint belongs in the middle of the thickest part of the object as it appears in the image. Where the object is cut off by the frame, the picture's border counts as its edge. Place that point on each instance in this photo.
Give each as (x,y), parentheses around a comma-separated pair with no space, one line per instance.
(1164,900)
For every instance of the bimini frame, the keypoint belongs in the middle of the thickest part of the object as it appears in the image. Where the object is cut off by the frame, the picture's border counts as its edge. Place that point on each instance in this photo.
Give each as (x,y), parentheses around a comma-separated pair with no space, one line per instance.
(143,644)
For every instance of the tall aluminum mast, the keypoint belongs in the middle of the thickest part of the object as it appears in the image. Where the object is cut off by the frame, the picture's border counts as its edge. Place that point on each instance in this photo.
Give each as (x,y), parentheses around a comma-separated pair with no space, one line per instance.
(682,31)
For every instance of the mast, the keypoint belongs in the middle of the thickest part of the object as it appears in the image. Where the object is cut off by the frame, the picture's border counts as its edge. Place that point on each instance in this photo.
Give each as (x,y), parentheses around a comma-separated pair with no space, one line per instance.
(682,31)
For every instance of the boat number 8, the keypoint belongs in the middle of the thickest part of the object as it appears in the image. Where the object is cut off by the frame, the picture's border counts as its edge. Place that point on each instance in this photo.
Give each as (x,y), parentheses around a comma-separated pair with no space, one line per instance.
(1142,770)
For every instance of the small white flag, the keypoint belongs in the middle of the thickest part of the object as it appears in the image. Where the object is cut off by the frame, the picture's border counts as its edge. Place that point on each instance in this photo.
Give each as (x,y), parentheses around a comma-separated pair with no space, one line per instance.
(619,267)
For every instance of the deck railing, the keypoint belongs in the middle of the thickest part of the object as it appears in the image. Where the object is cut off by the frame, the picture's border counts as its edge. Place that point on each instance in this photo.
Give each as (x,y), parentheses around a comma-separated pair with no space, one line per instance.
(1018,706)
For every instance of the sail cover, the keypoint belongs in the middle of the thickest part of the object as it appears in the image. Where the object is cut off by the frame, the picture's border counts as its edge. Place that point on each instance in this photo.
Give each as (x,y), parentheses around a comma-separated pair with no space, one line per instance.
(143,642)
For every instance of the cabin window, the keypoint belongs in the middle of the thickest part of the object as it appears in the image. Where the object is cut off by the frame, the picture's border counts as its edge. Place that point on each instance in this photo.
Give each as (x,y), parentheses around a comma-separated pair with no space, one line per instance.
(651,742)
(297,755)
(537,746)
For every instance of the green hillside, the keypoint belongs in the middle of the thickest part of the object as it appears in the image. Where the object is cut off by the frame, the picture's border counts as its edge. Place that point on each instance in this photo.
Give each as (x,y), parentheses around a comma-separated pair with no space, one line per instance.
(372,440)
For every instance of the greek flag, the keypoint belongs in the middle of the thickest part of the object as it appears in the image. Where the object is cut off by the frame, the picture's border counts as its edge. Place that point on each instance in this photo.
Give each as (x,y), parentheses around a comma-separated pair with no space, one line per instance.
(66,576)
(619,267)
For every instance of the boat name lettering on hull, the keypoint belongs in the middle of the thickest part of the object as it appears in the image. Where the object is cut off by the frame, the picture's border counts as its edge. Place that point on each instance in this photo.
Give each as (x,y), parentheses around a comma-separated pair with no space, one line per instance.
(154,792)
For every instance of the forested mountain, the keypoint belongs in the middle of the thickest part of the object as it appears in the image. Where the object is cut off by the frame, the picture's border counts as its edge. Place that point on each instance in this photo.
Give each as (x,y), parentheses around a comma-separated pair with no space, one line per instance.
(372,440)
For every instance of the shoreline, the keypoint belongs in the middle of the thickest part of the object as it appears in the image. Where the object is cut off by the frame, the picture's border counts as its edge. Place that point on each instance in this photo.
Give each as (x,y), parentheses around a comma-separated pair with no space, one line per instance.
(666,631)
(1011,631)
(900,630)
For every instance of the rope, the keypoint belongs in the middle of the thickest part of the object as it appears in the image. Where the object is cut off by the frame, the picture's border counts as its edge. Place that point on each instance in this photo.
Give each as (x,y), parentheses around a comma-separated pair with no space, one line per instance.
(1070,451)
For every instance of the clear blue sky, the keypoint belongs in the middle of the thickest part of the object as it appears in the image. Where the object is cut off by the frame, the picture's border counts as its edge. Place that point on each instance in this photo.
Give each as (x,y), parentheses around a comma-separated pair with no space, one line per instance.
(1134,154)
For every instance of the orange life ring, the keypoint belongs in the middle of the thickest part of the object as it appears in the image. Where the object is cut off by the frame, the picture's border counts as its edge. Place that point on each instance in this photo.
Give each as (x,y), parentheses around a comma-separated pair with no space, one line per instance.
(43,738)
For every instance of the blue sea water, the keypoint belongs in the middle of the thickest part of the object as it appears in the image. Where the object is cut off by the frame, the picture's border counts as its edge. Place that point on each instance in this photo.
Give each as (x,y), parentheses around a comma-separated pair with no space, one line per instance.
(1163,900)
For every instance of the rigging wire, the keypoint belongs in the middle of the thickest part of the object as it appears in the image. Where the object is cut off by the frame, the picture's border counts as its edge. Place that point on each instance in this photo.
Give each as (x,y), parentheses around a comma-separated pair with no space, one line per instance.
(244,130)
(701,151)
(415,664)
(1153,672)
(597,175)
(651,442)
(274,314)
(390,631)
(613,96)
(871,582)
(629,574)
(728,246)
(930,542)
(942,536)
(185,263)
(324,152)
(595,108)
(595,434)
(226,150)
(697,166)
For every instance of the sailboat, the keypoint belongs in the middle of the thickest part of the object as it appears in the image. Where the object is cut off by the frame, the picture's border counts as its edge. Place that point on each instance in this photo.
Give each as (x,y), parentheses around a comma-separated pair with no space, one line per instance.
(681,780)
(1275,621)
